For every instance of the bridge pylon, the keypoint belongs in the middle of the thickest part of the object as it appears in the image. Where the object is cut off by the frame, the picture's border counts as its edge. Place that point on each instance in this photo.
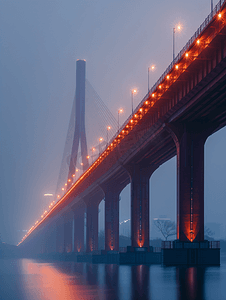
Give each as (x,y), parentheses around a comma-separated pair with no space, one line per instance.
(80,132)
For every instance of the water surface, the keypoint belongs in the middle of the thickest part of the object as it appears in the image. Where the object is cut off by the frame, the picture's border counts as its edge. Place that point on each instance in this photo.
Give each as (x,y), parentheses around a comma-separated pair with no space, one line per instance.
(26,279)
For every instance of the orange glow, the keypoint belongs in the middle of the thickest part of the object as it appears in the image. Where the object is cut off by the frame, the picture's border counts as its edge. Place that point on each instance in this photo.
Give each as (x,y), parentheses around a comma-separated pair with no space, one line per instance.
(153,67)
(177,67)
(101,139)
(109,127)
(41,216)
(73,175)
(93,149)
(134,91)
(131,121)
(167,76)
(62,189)
(135,116)
(186,54)
(65,184)
(58,196)
(146,102)
(219,15)
(69,180)
(120,111)
(198,42)
(153,95)
(87,156)
(81,164)
(141,109)
(160,86)
(76,170)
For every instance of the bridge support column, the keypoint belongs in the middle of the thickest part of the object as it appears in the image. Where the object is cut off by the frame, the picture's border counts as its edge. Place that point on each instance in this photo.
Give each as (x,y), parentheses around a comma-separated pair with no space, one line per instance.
(190,140)
(79,230)
(112,219)
(60,235)
(140,176)
(91,227)
(68,221)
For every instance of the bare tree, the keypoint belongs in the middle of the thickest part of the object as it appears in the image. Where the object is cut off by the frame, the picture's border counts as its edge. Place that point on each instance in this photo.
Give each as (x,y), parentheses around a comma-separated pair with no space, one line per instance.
(208,233)
(166,227)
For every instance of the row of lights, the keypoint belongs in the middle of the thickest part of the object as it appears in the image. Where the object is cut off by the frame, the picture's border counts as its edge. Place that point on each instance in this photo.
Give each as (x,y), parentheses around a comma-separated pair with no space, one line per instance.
(132,122)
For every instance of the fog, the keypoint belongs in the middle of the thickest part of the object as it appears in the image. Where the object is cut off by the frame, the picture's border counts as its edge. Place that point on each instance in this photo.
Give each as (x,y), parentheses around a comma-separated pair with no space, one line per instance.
(40,42)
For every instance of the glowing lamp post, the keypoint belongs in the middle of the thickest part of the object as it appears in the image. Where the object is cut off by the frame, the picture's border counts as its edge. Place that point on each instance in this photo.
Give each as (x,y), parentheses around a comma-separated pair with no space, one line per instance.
(120,111)
(151,68)
(100,140)
(108,128)
(93,150)
(177,28)
(134,91)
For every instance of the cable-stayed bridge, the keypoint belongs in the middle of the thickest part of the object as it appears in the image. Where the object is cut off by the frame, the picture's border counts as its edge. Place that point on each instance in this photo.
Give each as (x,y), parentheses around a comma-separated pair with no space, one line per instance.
(184,107)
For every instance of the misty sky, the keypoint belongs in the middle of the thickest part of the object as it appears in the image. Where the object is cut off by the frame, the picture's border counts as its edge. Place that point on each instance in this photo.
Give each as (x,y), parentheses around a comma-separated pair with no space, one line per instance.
(40,40)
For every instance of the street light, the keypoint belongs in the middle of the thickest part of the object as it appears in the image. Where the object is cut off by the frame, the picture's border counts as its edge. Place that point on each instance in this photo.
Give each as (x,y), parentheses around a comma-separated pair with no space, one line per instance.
(108,128)
(134,91)
(151,68)
(100,140)
(119,112)
(177,28)
(93,149)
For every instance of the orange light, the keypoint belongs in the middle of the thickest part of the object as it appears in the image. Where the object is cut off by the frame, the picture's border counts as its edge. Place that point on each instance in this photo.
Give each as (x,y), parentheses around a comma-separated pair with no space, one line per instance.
(87,156)
(153,67)
(146,102)
(123,131)
(131,121)
(62,189)
(134,91)
(141,109)
(76,170)
(81,164)
(93,149)
(120,111)
(198,42)
(219,15)
(153,95)
(41,216)
(58,196)
(167,76)
(109,127)
(65,184)
(160,86)
(135,116)
(177,67)
(69,180)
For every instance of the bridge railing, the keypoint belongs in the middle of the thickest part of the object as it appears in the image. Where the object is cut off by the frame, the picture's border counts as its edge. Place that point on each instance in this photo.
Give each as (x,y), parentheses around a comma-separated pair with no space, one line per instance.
(201,28)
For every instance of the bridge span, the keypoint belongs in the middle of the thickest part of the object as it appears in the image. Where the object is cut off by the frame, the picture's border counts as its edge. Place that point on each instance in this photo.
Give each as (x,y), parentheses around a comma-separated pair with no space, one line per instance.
(185,106)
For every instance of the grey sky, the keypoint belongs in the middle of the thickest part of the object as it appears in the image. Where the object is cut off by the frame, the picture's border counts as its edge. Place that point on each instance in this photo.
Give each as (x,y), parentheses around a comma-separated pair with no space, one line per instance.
(39,44)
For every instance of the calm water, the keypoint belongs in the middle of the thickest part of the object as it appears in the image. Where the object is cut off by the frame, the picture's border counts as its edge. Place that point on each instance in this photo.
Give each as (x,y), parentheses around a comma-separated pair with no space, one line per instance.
(32,279)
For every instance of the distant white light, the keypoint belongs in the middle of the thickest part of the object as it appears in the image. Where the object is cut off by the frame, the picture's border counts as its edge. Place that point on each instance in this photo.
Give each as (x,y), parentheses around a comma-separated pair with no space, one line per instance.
(48,195)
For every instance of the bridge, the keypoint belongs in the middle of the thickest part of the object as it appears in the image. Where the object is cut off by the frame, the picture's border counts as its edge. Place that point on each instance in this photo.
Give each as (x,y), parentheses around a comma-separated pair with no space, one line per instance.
(185,106)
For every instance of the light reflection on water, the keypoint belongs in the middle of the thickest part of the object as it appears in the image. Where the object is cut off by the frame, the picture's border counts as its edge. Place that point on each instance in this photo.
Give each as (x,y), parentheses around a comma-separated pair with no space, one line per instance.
(33,280)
